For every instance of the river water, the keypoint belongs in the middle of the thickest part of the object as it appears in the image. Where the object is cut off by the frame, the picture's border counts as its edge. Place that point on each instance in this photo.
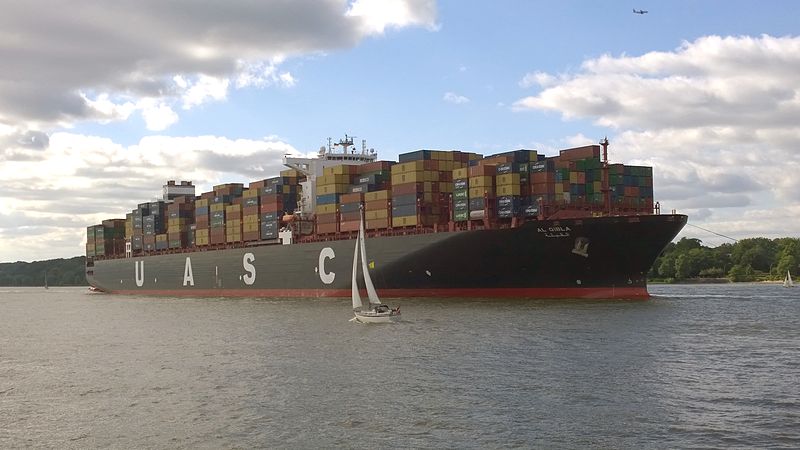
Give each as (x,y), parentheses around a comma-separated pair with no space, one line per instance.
(695,366)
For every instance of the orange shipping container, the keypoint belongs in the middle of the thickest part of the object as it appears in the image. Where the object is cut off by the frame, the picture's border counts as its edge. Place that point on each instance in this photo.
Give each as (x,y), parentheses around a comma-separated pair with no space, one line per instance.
(376,205)
(356,197)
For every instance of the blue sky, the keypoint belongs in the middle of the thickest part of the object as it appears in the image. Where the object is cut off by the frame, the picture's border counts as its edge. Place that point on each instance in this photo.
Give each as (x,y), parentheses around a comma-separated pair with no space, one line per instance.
(98,110)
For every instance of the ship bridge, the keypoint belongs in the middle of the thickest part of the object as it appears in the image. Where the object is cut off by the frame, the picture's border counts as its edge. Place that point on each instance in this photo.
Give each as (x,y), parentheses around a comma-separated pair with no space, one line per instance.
(335,154)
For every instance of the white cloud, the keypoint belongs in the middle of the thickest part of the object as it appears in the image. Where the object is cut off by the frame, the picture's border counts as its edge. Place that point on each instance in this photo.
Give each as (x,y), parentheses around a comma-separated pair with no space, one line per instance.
(50,197)
(716,118)
(157,115)
(103,62)
(107,62)
(263,74)
(377,15)
(204,89)
(537,79)
(454,98)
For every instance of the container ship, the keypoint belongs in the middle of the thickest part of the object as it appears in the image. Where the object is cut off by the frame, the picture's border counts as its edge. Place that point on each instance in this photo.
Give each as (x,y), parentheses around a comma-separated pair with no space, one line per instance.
(438,224)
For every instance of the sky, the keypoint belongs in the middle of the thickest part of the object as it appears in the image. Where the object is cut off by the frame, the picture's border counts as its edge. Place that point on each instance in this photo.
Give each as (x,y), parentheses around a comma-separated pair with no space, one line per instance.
(102,102)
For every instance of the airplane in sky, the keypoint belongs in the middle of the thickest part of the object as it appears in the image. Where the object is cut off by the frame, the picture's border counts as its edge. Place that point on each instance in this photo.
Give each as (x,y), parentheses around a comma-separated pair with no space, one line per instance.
(639,11)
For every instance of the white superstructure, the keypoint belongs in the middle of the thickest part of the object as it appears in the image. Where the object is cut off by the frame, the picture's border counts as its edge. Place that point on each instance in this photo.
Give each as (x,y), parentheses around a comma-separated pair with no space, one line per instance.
(327,156)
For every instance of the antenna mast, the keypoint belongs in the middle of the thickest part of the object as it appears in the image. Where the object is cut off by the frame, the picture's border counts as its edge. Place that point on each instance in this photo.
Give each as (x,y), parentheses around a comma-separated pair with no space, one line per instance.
(605,188)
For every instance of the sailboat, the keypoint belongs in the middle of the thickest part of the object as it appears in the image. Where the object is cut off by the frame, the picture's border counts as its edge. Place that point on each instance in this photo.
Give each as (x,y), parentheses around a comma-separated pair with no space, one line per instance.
(376,312)
(787,282)
(45,280)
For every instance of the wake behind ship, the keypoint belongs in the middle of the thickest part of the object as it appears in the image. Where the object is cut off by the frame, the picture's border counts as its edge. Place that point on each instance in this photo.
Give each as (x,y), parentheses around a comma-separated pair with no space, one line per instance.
(439,224)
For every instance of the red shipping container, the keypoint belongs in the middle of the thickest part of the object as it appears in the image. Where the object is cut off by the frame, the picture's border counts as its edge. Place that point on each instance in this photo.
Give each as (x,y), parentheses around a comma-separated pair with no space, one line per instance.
(350,225)
(589,151)
(407,188)
(376,166)
(326,218)
(251,236)
(482,171)
(543,177)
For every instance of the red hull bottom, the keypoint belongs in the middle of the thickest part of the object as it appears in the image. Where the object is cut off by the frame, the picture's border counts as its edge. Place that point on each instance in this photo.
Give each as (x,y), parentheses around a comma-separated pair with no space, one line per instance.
(633,293)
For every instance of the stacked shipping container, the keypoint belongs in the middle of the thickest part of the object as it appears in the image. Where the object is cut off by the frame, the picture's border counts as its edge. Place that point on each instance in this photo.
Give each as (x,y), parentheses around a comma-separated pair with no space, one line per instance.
(277,196)
(426,187)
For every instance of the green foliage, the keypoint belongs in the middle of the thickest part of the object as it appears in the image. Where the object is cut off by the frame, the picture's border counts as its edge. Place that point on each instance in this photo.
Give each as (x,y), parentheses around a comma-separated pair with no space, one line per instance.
(752,259)
(60,272)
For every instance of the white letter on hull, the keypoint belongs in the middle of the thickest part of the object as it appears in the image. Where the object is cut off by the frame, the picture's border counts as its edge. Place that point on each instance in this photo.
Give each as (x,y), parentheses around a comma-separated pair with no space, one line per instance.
(326,253)
(139,273)
(250,276)
(188,277)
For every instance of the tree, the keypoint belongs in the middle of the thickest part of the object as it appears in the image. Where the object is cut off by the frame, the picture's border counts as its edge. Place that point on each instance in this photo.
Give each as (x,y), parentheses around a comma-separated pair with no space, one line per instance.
(666,267)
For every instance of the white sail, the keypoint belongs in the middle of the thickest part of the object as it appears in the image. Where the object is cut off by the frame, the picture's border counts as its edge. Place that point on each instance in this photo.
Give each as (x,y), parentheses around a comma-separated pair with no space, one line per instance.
(373,296)
(355,294)
(787,282)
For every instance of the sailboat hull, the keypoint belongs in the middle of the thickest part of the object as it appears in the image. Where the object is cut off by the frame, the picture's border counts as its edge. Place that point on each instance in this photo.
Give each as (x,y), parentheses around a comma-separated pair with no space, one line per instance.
(377,318)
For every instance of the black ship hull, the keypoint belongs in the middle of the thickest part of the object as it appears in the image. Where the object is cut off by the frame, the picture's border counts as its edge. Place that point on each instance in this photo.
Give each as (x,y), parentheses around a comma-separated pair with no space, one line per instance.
(602,257)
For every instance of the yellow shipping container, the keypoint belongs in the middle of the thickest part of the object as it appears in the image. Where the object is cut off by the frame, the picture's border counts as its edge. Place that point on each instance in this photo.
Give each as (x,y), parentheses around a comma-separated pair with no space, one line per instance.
(573,177)
(161,237)
(559,188)
(199,242)
(327,209)
(478,192)
(404,221)
(332,189)
(177,222)
(446,187)
(342,169)
(481,182)
(409,177)
(333,179)
(598,186)
(460,173)
(289,173)
(203,202)
(216,207)
(248,193)
(377,195)
(509,189)
(377,224)
(249,227)
(378,214)
(407,221)
(252,218)
(411,166)
(202,233)
(508,179)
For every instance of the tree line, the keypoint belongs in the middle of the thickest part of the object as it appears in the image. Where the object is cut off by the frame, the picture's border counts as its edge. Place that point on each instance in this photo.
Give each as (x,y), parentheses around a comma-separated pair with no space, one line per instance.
(753,259)
(59,272)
